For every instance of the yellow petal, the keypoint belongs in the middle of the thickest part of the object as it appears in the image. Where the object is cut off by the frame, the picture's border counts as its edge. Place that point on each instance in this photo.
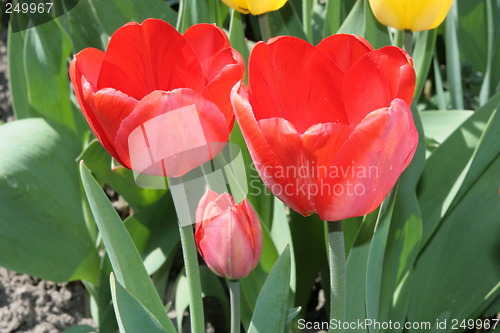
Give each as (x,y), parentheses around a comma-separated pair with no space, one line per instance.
(415,15)
(258,7)
(238,5)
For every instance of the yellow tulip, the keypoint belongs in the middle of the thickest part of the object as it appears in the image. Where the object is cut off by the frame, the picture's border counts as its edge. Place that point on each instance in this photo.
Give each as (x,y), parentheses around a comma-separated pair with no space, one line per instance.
(415,15)
(255,7)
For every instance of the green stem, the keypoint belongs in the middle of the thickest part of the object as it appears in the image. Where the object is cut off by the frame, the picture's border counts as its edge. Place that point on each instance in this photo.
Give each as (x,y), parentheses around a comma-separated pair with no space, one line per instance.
(307,18)
(234,294)
(408,41)
(398,39)
(193,276)
(336,261)
(265,28)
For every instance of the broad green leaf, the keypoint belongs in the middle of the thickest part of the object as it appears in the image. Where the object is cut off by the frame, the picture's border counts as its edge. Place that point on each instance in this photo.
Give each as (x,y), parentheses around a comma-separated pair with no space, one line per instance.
(453,62)
(154,231)
(356,266)
(438,125)
(361,22)
(131,314)
(237,35)
(291,314)
(196,11)
(45,57)
(99,161)
(272,304)
(125,260)
(425,43)
(18,86)
(112,14)
(441,178)
(83,27)
(286,22)
(374,267)
(458,269)
(282,238)
(309,252)
(42,229)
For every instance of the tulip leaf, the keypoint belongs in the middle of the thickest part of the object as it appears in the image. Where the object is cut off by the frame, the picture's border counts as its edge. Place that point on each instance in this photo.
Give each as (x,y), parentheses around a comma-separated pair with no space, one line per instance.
(439,125)
(425,43)
(112,14)
(465,246)
(237,35)
(374,268)
(272,304)
(17,81)
(42,228)
(154,232)
(131,314)
(125,260)
(442,176)
(99,161)
(286,22)
(356,267)
(47,67)
(309,252)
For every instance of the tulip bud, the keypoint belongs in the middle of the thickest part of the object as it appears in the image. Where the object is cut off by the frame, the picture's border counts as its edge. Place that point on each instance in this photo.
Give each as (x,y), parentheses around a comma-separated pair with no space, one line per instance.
(228,236)
(255,7)
(410,14)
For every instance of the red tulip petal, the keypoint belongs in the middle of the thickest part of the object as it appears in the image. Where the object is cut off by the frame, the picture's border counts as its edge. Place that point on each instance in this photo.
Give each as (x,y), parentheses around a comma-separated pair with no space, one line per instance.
(211,46)
(170,133)
(344,50)
(375,80)
(295,178)
(304,89)
(369,164)
(142,58)
(110,107)
(265,160)
(85,66)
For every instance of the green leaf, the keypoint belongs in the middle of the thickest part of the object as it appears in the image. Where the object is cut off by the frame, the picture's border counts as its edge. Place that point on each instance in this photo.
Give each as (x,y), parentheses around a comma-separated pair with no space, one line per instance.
(286,22)
(42,229)
(309,252)
(356,266)
(112,14)
(374,267)
(126,261)
(443,173)
(458,269)
(237,35)
(439,125)
(18,86)
(131,314)
(272,304)
(99,161)
(45,58)
(425,44)
(154,231)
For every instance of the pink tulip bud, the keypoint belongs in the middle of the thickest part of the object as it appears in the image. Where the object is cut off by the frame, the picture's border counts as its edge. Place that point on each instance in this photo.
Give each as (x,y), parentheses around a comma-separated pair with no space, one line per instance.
(228,236)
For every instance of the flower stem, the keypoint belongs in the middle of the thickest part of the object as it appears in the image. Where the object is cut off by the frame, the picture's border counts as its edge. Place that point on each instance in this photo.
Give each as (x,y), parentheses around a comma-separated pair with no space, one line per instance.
(193,277)
(336,260)
(234,294)
(265,28)
(408,41)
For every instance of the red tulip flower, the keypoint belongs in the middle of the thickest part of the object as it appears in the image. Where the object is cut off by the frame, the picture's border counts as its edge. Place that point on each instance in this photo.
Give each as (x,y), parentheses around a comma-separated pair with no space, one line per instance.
(228,235)
(329,127)
(156,99)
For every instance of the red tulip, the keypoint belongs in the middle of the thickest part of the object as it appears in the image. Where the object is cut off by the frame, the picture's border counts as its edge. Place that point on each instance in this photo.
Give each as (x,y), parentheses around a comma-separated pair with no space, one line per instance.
(328,127)
(157,99)
(228,236)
